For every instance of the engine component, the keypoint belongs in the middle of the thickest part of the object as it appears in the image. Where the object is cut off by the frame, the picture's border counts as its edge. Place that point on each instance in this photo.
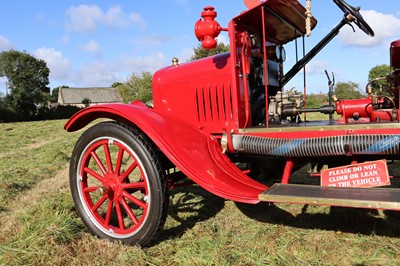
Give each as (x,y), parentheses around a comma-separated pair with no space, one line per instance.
(284,105)
(354,110)
(371,109)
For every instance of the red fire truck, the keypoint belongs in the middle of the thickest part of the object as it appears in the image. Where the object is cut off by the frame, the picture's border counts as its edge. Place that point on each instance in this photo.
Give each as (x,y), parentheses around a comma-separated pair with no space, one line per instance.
(226,123)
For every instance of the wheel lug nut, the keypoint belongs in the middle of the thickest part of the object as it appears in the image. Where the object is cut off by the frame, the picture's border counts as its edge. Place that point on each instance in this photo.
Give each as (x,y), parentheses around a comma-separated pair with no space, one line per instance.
(102,191)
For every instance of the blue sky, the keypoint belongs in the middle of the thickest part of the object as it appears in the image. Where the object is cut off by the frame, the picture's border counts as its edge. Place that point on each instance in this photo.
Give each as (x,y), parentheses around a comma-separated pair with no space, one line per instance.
(96,43)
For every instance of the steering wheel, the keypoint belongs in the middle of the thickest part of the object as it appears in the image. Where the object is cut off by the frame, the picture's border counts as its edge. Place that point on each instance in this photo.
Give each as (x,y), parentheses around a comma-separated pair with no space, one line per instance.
(355,12)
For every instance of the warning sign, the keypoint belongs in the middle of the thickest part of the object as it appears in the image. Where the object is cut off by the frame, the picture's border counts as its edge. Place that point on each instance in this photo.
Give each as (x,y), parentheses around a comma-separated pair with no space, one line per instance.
(369,174)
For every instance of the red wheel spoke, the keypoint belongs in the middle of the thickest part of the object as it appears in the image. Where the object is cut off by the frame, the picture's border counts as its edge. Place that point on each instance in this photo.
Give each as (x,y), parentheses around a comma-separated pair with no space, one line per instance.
(128,171)
(110,185)
(109,212)
(108,157)
(93,173)
(137,185)
(119,160)
(98,162)
(135,200)
(129,211)
(99,203)
(119,215)
(90,189)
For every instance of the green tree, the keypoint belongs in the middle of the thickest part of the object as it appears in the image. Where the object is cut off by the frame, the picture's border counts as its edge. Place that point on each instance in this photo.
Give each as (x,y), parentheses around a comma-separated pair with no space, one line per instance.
(3,101)
(200,52)
(316,100)
(86,102)
(28,78)
(2,98)
(137,87)
(54,93)
(347,90)
(378,72)
(116,84)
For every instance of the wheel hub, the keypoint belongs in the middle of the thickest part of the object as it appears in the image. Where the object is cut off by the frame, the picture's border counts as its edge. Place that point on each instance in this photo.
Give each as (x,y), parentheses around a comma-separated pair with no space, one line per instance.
(112,186)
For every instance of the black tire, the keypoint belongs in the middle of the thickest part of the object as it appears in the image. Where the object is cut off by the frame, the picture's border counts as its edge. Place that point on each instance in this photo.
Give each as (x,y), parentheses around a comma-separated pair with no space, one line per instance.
(123,196)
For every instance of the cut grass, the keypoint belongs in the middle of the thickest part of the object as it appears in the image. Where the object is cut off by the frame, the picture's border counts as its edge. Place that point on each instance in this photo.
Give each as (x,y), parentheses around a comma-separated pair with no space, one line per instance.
(30,153)
(39,225)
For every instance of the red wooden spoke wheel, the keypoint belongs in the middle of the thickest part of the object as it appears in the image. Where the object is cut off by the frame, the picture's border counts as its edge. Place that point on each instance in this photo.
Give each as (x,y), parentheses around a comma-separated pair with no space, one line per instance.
(117,184)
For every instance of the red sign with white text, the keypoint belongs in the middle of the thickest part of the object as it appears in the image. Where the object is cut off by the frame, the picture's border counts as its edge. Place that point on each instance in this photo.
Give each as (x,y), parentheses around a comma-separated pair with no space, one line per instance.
(368,174)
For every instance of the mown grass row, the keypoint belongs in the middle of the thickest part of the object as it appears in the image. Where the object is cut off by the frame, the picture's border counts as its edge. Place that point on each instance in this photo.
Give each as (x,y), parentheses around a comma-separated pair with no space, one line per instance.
(39,225)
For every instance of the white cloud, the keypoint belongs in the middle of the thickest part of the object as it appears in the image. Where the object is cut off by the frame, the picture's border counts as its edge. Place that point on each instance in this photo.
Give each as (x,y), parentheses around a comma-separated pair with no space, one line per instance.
(59,66)
(385,26)
(95,74)
(5,44)
(138,20)
(317,67)
(100,73)
(150,63)
(85,18)
(104,73)
(115,17)
(91,47)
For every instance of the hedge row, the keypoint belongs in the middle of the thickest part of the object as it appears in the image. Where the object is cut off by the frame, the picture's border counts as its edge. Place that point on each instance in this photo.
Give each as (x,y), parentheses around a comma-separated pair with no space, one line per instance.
(61,112)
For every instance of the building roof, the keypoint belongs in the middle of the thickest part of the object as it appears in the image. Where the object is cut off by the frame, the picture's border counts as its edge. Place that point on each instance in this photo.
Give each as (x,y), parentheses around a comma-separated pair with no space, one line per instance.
(74,96)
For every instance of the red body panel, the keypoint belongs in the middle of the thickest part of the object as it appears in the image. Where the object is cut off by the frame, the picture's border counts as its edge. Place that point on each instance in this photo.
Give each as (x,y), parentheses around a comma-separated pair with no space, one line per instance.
(200,93)
(395,55)
(197,154)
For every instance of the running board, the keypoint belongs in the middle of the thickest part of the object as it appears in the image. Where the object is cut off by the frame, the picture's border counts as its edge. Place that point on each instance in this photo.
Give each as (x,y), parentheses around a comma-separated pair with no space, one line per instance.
(372,198)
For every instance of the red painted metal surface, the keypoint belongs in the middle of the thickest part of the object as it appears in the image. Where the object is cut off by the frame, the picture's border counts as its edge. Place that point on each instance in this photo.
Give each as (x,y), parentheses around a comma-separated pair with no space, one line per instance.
(197,154)
(208,29)
(382,115)
(395,54)
(287,171)
(355,110)
(199,92)
(251,3)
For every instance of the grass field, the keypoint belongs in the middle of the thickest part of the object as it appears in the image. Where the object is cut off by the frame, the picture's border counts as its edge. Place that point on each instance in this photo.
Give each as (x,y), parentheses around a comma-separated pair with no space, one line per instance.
(39,225)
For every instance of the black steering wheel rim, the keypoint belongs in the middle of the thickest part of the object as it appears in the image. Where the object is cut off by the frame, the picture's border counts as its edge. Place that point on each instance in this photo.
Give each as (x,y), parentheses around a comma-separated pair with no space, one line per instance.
(358,18)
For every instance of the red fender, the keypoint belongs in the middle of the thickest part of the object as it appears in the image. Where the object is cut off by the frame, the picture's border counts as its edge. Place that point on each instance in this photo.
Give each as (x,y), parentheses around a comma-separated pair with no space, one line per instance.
(197,154)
